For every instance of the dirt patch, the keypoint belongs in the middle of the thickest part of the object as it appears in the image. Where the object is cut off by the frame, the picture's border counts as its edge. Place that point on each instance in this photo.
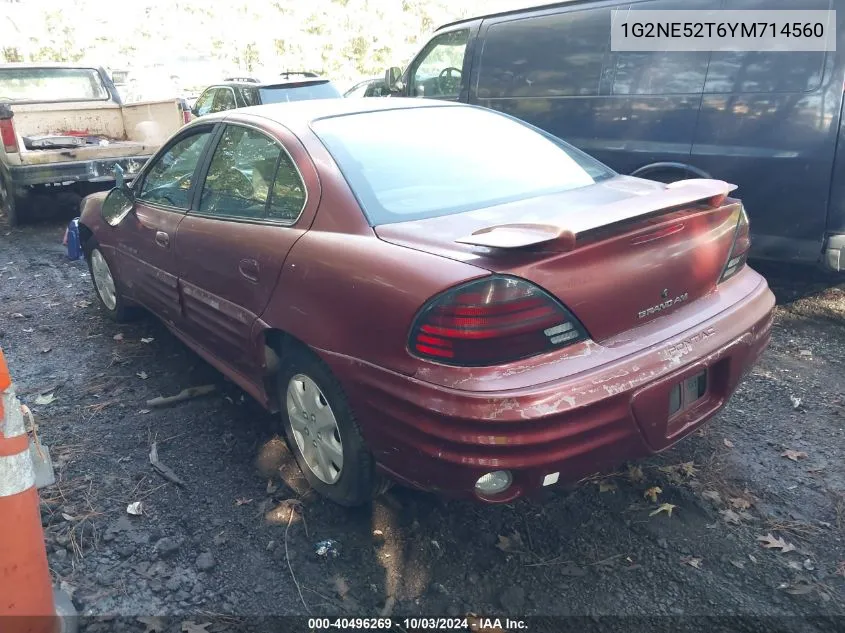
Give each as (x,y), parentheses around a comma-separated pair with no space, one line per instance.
(228,542)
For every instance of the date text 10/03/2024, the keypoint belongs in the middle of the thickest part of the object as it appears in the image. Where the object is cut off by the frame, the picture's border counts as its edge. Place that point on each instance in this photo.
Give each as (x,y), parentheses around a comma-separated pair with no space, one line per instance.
(417,624)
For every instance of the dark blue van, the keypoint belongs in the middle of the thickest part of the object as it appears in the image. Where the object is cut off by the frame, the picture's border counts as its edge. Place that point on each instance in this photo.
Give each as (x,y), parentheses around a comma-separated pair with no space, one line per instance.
(768,122)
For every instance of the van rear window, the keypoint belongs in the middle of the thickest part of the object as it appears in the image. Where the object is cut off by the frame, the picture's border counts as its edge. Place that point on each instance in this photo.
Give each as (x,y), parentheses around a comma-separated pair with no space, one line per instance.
(51,84)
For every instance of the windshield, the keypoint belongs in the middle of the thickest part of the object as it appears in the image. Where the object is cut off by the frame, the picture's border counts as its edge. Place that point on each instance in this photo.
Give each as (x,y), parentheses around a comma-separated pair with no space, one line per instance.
(298,92)
(51,84)
(416,163)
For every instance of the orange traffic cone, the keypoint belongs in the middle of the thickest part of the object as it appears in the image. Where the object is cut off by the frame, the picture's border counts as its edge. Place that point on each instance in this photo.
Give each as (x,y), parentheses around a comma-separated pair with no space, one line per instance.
(26,594)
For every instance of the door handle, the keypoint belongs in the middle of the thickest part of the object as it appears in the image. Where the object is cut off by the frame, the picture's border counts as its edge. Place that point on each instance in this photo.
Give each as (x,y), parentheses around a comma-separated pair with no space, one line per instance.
(249,269)
(162,239)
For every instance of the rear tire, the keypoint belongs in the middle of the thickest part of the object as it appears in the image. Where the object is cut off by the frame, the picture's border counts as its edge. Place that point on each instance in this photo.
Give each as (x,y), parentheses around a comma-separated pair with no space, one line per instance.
(8,204)
(106,286)
(322,432)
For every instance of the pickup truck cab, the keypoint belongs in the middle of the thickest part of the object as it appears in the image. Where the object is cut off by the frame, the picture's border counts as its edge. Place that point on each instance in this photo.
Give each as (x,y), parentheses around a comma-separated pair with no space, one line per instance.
(64,128)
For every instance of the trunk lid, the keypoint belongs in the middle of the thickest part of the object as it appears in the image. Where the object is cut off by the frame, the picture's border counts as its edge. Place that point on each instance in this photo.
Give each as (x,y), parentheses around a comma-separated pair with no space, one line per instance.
(618,253)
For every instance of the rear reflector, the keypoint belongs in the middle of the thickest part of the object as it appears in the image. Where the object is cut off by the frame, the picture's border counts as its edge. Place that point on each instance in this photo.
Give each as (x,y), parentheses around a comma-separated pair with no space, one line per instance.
(491,321)
(7,136)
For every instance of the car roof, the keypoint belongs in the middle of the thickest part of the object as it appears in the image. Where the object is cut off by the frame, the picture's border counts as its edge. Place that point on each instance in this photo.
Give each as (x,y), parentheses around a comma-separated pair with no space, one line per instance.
(539,5)
(49,65)
(280,83)
(305,112)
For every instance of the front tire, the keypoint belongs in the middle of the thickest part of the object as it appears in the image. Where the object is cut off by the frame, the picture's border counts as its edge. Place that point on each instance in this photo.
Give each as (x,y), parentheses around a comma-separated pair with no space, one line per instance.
(106,287)
(322,431)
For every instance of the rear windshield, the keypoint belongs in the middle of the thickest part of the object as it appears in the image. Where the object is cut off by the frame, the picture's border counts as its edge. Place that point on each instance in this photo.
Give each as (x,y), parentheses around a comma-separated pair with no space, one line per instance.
(283,94)
(416,163)
(51,84)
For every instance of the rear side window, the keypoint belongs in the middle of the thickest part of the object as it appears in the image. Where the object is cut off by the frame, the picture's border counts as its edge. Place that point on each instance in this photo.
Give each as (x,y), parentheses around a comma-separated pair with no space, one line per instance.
(457,159)
(656,73)
(758,72)
(51,84)
(224,100)
(548,56)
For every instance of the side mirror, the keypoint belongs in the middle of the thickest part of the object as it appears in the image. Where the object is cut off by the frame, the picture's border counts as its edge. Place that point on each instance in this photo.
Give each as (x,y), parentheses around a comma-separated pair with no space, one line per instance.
(194,111)
(117,205)
(393,79)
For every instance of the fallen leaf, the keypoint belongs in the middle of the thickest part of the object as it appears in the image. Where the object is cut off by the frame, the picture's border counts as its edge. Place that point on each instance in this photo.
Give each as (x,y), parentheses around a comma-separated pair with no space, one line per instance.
(809,565)
(652,493)
(752,559)
(193,627)
(728,443)
(46,350)
(635,474)
(840,569)
(692,561)
(242,501)
(28,330)
(68,517)
(770,542)
(341,586)
(142,375)
(796,402)
(738,564)
(740,504)
(799,588)
(82,303)
(712,495)
(510,543)
(135,508)
(118,337)
(153,623)
(147,340)
(730,516)
(663,507)
(607,486)
(688,469)
(271,487)
(45,398)
(17,315)
(144,411)
(793,455)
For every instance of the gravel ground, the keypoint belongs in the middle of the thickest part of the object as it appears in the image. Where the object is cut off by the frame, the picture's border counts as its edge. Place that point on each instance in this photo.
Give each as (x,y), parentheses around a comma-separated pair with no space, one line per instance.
(239,538)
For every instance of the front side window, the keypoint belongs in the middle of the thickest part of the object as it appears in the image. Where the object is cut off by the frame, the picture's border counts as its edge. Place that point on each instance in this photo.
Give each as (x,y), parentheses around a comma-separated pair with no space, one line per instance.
(437,73)
(241,174)
(457,159)
(169,180)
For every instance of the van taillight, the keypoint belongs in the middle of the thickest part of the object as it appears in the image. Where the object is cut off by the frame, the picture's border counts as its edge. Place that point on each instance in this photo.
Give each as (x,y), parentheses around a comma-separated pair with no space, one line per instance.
(7,135)
(492,321)
(740,248)
(186,116)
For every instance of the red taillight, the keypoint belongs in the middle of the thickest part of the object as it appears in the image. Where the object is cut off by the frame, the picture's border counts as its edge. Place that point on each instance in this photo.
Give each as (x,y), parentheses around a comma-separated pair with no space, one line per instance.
(186,116)
(491,321)
(7,135)
(741,246)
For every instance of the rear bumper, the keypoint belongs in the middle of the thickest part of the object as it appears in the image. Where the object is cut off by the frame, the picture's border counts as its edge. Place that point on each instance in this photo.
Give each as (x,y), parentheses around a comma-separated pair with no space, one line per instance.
(99,170)
(440,439)
(834,253)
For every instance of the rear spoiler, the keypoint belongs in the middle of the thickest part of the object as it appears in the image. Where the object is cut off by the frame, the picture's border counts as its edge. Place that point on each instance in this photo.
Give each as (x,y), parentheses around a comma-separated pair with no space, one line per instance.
(682,192)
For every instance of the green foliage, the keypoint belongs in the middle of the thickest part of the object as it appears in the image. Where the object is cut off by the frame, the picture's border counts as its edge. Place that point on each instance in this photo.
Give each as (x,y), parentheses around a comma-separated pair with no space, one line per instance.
(344,39)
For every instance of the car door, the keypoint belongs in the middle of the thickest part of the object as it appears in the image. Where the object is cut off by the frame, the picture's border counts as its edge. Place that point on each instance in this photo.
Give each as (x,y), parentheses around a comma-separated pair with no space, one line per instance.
(145,243)
(253,206)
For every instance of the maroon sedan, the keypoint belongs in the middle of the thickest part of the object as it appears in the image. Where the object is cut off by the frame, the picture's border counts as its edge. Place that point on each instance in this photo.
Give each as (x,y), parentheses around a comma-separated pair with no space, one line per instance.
(436,293)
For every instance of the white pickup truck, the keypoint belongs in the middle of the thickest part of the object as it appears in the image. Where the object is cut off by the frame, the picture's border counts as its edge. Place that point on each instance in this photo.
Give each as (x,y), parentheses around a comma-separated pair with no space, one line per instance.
(63,128)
